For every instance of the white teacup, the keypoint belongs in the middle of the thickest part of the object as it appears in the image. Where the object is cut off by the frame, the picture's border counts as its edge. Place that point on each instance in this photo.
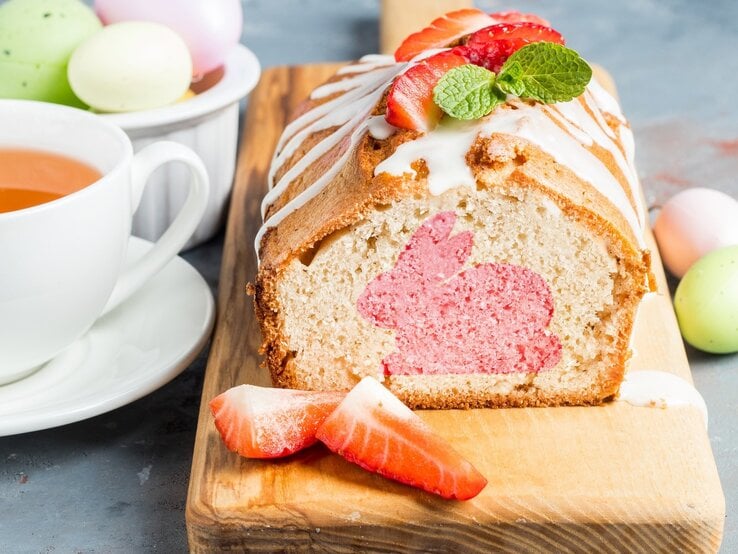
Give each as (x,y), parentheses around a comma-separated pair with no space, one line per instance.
(61,262)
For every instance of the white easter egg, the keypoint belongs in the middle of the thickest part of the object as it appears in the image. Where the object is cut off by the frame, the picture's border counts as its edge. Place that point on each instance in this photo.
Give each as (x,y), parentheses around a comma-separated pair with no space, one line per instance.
(131,66)
(692,224)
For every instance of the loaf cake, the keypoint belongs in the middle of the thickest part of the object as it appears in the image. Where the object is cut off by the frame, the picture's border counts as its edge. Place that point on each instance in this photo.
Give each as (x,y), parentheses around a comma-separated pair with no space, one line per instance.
(493,261)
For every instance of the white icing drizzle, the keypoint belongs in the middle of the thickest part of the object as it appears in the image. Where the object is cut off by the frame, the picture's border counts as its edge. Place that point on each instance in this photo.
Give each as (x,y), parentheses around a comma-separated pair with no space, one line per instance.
(323,147)
(576,118)
(626,138)
(574,113)
(659,389)
(356,81)
(604,100)
(353,117)
(444,149)
(334,112)
(386,59)
(379,128)
(444,152)
(359,68)
(367,63)
(346,118)
(311,191)
(597,113)
(566,122)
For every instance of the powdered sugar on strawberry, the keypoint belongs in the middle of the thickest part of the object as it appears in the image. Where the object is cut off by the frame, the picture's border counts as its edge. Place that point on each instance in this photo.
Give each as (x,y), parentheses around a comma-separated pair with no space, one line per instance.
(261,422)
(374,430)
(489,318)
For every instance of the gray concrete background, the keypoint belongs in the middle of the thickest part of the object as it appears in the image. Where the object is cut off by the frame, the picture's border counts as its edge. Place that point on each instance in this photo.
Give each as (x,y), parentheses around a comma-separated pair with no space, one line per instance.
(118,482)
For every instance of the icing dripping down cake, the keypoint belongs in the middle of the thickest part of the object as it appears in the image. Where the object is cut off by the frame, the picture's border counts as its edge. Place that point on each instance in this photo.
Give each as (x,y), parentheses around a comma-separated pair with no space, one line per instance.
(498,261)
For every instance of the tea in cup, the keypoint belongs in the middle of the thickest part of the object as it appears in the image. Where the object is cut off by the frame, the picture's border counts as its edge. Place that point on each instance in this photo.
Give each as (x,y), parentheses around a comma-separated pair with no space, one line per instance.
(69,185)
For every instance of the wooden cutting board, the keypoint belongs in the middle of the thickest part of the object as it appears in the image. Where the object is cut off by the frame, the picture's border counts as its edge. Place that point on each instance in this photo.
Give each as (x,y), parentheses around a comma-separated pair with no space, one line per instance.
(591,479)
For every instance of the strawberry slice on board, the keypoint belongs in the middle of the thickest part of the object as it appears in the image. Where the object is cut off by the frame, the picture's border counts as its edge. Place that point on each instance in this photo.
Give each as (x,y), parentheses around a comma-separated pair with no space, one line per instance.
(490,47)
(410,100)
(443,32)
(264,422)
(513,16)
(375,430)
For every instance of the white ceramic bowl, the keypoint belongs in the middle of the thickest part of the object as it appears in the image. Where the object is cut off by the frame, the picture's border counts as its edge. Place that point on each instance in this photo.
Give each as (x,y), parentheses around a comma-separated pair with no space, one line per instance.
(207,123)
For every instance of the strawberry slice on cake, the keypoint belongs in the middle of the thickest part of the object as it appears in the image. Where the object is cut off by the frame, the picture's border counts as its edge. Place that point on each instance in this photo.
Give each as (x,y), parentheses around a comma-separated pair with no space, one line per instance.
(452,27)
(443,32)
(410,100)
(263,422)
(373,429)
(490,47)
(520,33)
(410,103)
(514,16)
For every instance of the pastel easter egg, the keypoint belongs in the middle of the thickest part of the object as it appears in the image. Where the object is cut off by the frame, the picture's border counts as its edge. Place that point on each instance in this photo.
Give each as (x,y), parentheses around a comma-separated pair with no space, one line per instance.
(136,65)
(706,302)
(693,223)
(37,38)
(210,28)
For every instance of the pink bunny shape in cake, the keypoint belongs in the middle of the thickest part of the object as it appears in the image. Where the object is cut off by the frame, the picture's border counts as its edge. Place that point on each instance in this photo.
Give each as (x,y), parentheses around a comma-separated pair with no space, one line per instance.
(489,318)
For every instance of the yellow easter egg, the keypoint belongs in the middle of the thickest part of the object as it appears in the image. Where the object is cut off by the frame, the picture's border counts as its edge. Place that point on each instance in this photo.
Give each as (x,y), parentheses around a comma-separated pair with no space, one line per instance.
(131,66)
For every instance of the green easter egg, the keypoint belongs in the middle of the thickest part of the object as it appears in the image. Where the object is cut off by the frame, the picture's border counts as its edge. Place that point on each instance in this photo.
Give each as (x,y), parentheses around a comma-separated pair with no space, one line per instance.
(706,302)
(37,38)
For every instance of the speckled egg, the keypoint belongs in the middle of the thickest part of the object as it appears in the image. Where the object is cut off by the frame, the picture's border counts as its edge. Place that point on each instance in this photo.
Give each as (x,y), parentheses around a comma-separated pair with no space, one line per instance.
(37,37)
(131,66)
(706,302)
(693,223)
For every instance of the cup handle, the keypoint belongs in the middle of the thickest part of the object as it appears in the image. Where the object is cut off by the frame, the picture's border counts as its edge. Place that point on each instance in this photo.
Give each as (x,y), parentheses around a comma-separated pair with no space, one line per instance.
(169,244)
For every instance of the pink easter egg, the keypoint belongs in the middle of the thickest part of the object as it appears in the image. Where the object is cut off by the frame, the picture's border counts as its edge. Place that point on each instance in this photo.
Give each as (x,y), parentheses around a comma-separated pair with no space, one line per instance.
(692,224)
(210,28)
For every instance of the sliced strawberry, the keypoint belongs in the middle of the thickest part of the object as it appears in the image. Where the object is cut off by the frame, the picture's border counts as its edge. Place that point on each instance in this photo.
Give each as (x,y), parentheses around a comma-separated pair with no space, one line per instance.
(263,422)
(524,32)
(442,32)
(491,55)
(490,47)
(410,100)
(376,431)
(512,16)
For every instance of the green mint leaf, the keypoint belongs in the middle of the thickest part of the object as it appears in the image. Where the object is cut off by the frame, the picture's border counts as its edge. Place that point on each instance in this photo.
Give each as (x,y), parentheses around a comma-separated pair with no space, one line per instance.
(510,81)
(546,72)
(467,92)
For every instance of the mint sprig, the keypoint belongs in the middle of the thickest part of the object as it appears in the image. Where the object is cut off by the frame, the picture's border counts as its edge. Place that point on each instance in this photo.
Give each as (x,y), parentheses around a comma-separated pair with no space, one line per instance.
(546,72)
(467,92)
(541,71)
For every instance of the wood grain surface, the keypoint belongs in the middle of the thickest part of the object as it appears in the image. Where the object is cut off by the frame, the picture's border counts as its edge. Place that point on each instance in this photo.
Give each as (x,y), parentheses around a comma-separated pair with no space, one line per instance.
(614,478)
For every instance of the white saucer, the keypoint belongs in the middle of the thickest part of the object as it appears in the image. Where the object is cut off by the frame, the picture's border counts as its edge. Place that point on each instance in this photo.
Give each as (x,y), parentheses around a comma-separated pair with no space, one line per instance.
(132,351)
